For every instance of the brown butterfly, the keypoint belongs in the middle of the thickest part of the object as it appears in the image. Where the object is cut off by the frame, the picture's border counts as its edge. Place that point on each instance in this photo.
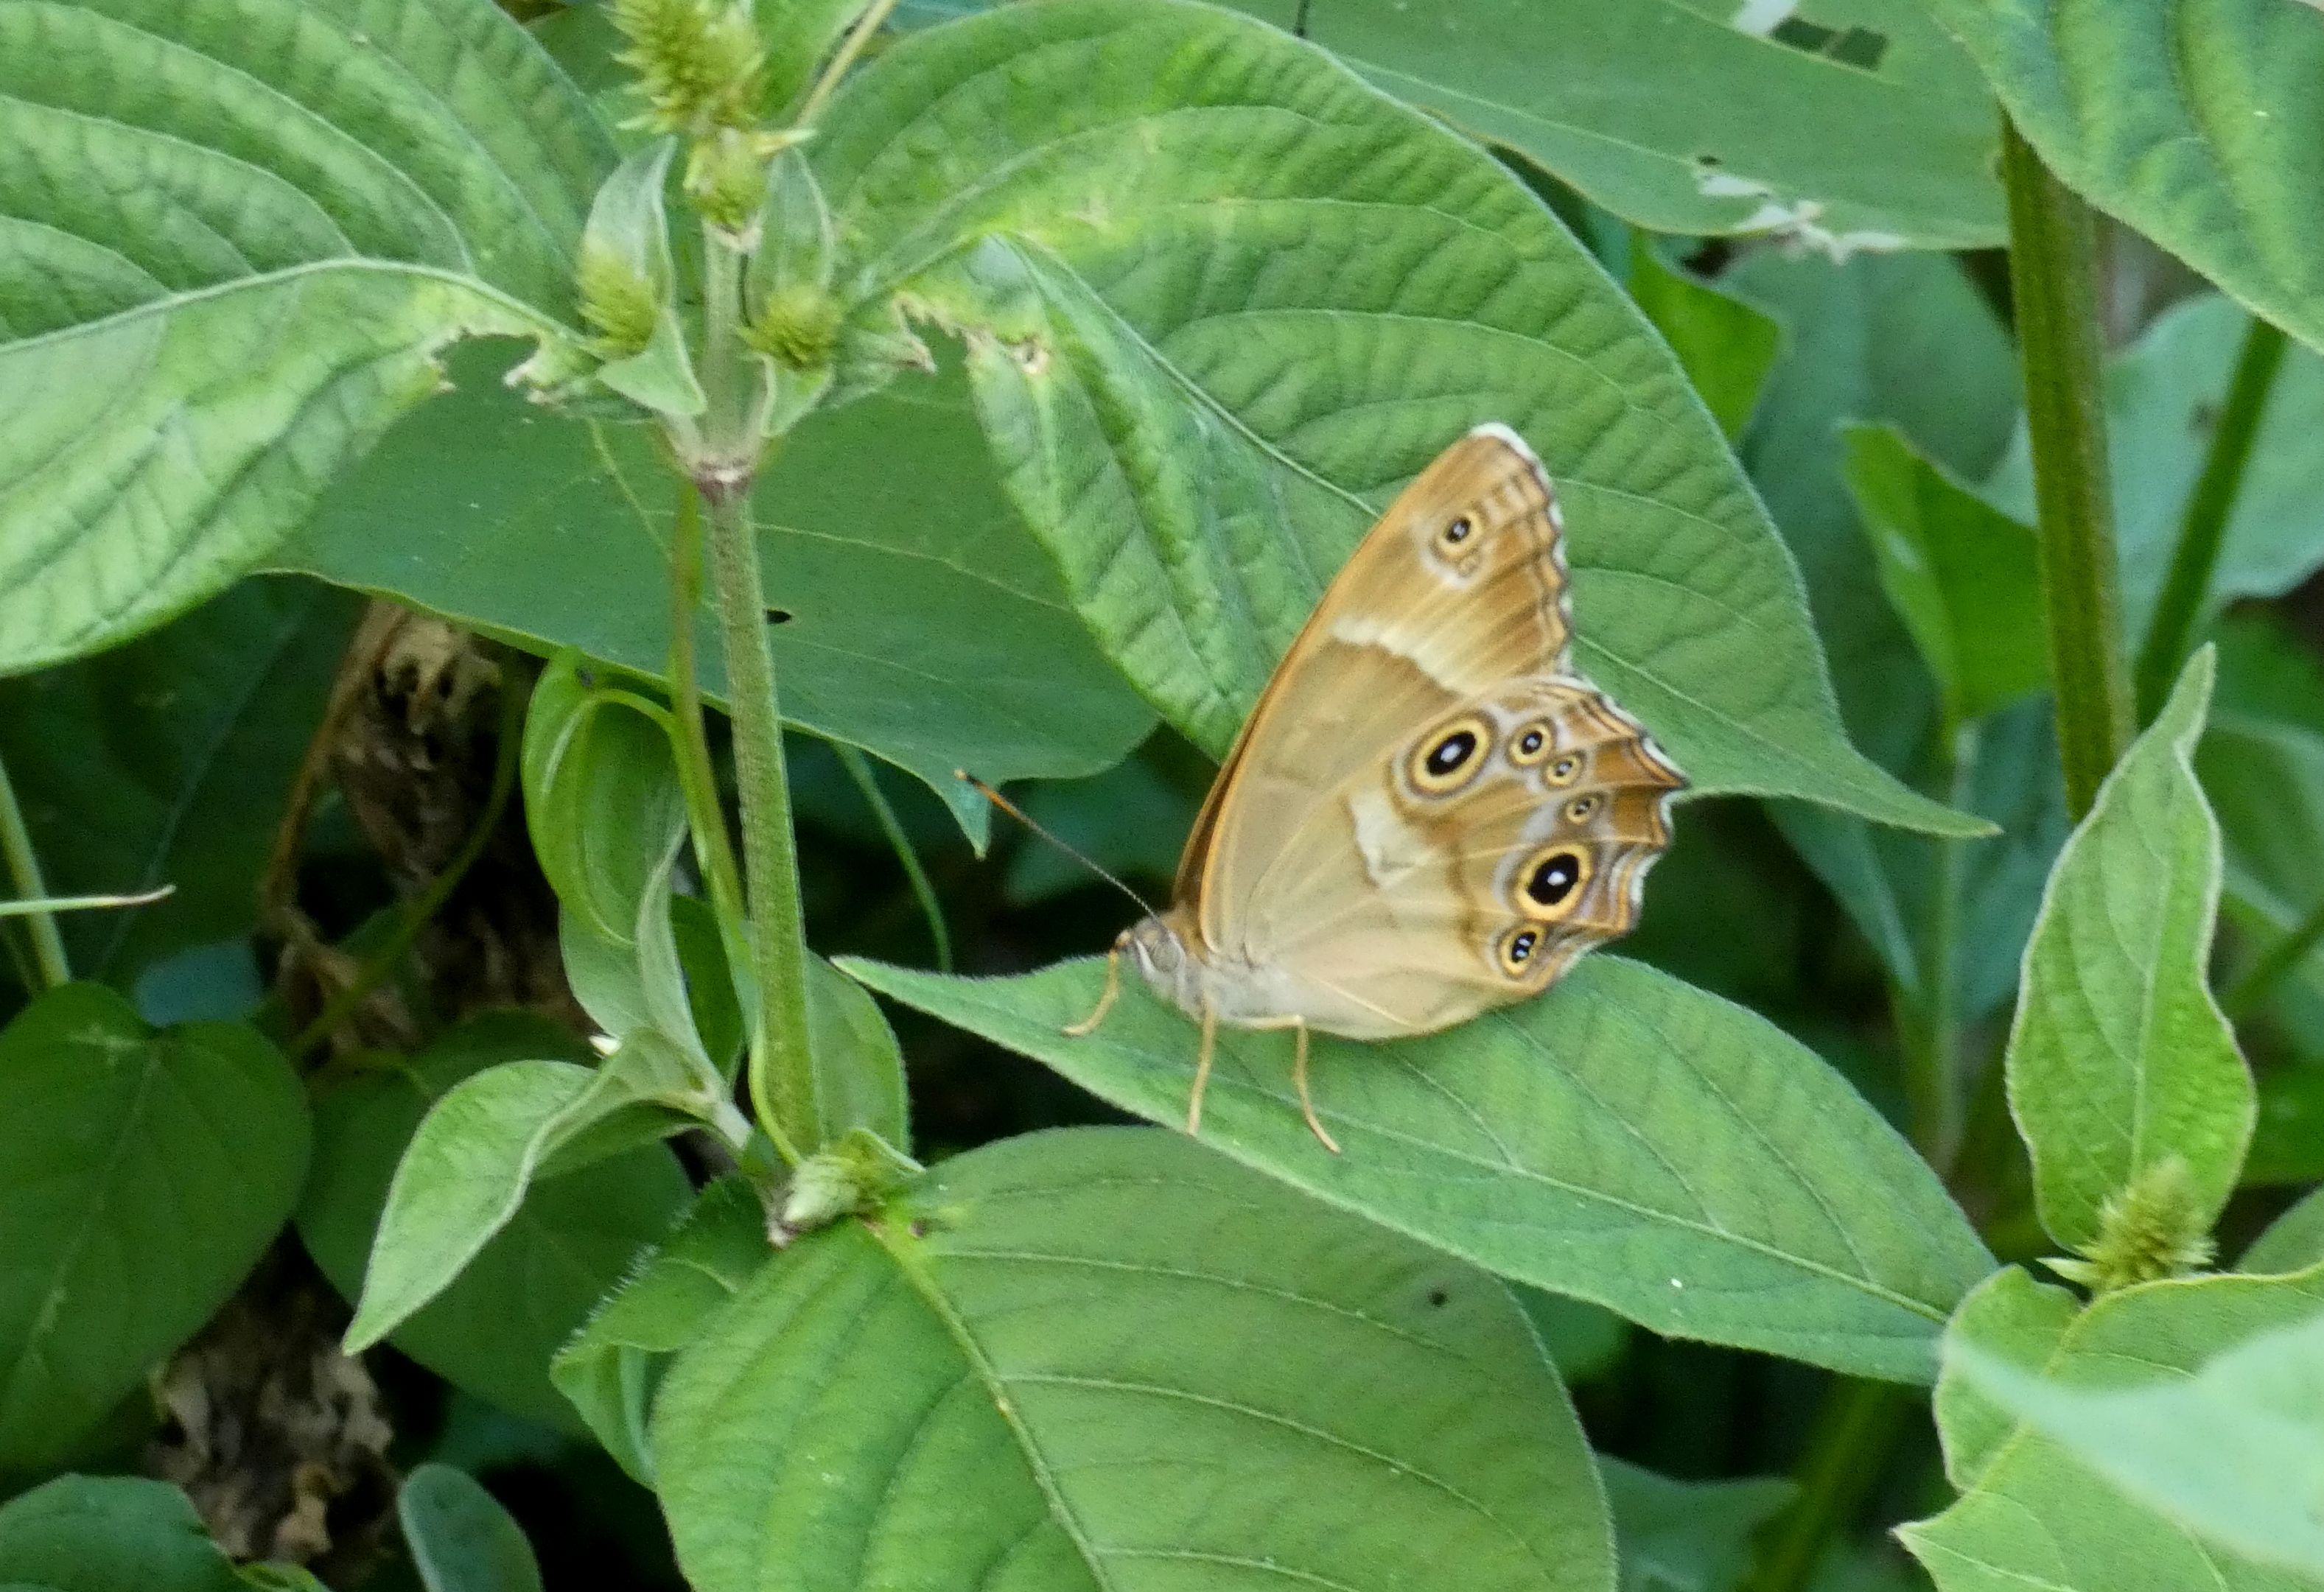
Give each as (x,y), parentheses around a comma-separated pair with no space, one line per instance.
(1428,813)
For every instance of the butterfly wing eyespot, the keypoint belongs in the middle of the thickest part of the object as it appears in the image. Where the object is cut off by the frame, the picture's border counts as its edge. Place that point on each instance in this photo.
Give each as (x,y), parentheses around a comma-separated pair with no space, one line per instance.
(1581,808)
(1449,755)
(1532,743)
(1549,882)
(1566,770)
(1516,950)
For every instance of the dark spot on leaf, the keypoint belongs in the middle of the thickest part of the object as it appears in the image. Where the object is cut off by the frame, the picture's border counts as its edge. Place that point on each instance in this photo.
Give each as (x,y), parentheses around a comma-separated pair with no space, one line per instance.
(1861,47)
(587,676)
(1436,1297)
(920,1227)
(778,616)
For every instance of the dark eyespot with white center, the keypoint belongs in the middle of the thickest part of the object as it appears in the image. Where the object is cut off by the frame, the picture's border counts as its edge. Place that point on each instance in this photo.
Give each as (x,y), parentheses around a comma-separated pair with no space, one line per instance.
(1516,950)
(1449,755)
(1549,883)
(1457,539)
(1531,743)
(1581,809)
(1565,770)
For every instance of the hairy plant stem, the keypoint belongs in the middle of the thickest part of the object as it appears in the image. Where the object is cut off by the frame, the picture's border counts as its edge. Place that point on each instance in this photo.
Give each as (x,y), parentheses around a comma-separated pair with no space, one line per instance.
(1932,1039)
(784,1088)
(2053,278)
(859,770)
(49,961)
(2171,635)
(1854,1430)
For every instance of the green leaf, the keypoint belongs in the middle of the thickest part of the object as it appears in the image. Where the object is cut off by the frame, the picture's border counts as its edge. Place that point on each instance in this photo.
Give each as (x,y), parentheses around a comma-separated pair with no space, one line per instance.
(1838,124)
(488,1137)
(1725,346)
(799,33)
(493,1330)
(331,194)
(2194,121)
(2119,1059)
(461,1539)
(167,762)
(1584,1341)
(2036,1511)
(2164,395)
(857,1056)
(924,624)
(147,1170)
(601,798)
(2293,1242)
(2265,779)
(1679,1536)
(614,1366)
(2288,1136)
(1221,300)
(86,1533)
(1624,1139)
(1104,1357)
(1962,575)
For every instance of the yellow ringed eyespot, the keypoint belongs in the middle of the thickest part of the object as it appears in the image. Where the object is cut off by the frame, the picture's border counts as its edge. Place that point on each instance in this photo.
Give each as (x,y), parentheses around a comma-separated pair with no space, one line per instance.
(1516,950)
(1550,882)
(1531,744)
(1449,757)
(1566,770)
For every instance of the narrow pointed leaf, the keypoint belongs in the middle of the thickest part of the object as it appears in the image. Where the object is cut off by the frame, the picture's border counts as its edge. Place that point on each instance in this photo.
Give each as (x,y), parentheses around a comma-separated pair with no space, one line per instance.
(2119,1059)
(1624,1139)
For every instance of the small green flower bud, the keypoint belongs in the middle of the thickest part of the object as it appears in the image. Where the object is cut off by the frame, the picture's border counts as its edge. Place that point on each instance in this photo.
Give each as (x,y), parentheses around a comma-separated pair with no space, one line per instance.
(616,299)
(2151,1228)
(798,327)
(856,1174)
(726,179)
(698,62)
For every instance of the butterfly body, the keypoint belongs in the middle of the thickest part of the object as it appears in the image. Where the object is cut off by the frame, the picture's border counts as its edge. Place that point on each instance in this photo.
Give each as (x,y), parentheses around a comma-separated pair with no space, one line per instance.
(1428,813)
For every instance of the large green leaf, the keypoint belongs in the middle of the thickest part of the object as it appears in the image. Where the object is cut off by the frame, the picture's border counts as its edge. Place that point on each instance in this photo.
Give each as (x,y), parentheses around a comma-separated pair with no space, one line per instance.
(2164,395)
(1725,346)
(86,1533)
(1220,300)
(2119,1060)
(492,1330)
(2195,121)
(1624,1140)
(146,1171)
(1108,1359)
(234,234)
(924,624)
(168,763)
(2039,1512)
(1703,115)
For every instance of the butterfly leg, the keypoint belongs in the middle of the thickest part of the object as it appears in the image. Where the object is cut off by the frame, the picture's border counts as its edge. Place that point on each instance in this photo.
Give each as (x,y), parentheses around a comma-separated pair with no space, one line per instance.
(1088,1024)
(1299,1082)
(1203,1068)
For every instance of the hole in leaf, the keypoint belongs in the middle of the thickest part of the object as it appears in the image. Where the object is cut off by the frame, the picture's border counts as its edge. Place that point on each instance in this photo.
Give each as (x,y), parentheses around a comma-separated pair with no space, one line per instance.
(1861,47)
(778,616)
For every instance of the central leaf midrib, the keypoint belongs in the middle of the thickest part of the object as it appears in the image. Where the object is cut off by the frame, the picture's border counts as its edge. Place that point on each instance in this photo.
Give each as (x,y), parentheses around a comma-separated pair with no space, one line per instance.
(914,1272)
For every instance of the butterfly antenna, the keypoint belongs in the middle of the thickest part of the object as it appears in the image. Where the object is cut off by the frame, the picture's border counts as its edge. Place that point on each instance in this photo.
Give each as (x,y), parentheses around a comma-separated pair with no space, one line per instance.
(1018,814)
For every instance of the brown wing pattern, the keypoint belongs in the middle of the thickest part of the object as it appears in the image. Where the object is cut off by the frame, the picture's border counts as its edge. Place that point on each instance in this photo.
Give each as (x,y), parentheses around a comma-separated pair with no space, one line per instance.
(1428,814)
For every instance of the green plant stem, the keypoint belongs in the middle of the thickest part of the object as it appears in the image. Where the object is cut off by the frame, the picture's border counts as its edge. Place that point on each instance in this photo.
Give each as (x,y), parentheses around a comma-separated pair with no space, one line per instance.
(2053,278)
(860,771)
(858,36)
(1854,1430)
(430,901)
(2279,958)
(24,873)
(784,1088)
(712,847)
(1932,1060)
(2171,635)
